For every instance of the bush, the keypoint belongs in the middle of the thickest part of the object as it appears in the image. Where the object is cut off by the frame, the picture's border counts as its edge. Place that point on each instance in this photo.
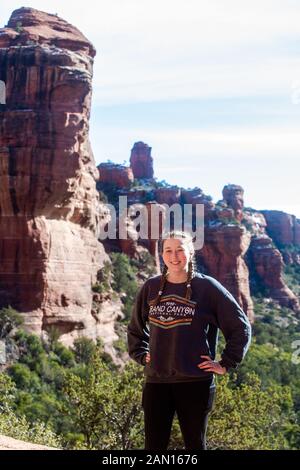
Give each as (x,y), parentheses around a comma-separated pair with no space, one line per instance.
(23,377)
(7,390)
(249,418)
(124,280)
(9,319)
(106,420)
(19,428)
(103,283)
(246,417)
(84,349)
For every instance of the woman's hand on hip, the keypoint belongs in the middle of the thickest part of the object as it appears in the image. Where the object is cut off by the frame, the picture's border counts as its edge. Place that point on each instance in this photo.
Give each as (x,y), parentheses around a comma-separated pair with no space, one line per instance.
(148,358)
(212,366)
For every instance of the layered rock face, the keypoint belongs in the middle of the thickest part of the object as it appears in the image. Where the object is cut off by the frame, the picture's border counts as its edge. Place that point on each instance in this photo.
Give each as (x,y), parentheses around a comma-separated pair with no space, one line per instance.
(233,195)
(167,195)
(223,257)
(118,175)
(50,212)
(282,227)
(225,246)
(268,264)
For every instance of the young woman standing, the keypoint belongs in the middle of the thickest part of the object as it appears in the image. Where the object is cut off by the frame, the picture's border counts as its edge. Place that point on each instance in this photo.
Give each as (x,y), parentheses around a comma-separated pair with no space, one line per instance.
(173,332)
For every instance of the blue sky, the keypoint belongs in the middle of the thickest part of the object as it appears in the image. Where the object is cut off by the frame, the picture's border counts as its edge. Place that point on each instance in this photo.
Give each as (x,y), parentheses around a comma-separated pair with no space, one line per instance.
(212,86)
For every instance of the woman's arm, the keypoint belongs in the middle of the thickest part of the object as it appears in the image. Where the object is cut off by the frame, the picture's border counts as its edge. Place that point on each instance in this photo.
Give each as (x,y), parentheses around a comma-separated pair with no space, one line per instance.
(137,330)
(233,322)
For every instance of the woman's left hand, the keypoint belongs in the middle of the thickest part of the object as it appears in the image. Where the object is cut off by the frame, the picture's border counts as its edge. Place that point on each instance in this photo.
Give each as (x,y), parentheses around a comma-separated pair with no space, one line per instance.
(212,366)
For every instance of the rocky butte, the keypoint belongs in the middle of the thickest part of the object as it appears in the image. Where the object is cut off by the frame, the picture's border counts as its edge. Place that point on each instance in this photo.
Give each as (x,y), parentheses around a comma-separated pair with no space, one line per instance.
(50,212)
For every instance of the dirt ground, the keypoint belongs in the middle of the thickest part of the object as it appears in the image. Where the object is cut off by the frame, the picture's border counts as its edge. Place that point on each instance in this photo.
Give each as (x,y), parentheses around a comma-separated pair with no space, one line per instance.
(8,443)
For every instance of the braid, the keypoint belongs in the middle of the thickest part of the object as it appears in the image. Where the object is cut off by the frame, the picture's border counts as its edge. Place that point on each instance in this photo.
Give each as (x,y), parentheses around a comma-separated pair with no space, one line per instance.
(191,274)
(161,287)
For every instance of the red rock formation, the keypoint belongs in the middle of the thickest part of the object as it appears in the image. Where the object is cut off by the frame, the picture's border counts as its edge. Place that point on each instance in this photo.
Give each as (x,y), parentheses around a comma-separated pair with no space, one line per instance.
(282,227)
(226,214)
(119,175)
(268,264)
(255,222)
(49,206)
(167,196)
(233,195)
(196,196)
(191,196)
(27,25)
(223,257)
(141,161)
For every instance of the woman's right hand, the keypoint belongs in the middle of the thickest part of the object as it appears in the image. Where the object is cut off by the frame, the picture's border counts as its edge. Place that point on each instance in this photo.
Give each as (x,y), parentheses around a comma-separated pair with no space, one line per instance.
(148,358)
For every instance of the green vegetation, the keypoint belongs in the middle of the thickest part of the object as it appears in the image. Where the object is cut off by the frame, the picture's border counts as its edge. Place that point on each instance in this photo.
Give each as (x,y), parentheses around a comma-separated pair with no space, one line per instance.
(247,225)
(107,420)
(19,27)
(250,416)
(109,193)
(246,417)
(124,280)
(291,276)
(9,319)
(125,272)
(103,283)
(229,221)
(17,426)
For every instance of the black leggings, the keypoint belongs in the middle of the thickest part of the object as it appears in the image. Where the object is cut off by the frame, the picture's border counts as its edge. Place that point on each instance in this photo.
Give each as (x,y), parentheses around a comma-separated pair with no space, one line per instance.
(192,401)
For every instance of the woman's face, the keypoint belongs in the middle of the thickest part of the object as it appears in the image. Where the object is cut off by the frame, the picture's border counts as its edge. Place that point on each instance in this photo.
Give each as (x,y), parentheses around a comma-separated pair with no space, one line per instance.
(176,255)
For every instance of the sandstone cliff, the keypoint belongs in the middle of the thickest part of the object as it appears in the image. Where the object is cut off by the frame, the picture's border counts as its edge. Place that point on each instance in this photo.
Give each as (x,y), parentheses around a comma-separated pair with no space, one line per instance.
(50,212)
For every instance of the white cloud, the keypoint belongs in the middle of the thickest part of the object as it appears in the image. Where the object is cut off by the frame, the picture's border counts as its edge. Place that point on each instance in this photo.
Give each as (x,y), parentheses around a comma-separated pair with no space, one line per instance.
(174,49)
(267,142)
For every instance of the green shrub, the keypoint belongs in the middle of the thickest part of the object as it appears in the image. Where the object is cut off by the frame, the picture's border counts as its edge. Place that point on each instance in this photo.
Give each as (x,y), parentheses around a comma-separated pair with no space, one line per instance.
(19,428)
(9,319)
(107,420)
(124,280)
(84,349)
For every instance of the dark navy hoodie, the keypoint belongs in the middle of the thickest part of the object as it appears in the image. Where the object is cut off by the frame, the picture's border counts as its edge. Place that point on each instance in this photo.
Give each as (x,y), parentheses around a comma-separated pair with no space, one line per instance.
(177,332)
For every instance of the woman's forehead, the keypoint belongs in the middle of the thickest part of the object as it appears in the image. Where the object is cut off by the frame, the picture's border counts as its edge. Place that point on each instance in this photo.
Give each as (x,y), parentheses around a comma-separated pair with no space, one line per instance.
(174,242)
